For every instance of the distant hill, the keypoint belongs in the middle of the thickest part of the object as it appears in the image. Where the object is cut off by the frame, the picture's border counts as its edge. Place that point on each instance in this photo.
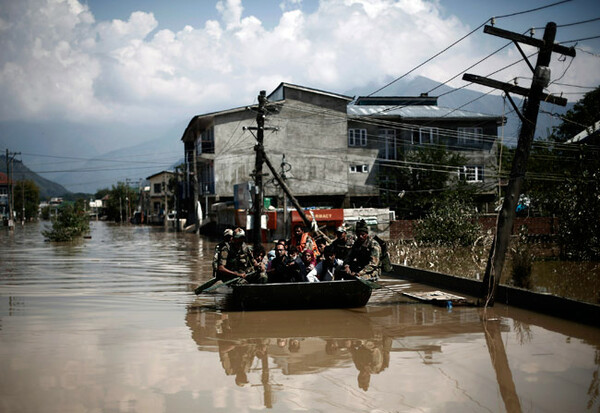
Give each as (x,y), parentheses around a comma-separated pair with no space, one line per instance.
(120,153)
(132,164)
(20,172)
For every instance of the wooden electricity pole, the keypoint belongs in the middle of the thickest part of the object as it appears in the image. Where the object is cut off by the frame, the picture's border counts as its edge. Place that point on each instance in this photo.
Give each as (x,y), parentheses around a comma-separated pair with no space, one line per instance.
(258,170)
(541,78)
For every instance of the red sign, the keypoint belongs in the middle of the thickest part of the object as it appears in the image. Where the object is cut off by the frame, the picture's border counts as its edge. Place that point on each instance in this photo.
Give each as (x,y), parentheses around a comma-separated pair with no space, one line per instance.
(321,215)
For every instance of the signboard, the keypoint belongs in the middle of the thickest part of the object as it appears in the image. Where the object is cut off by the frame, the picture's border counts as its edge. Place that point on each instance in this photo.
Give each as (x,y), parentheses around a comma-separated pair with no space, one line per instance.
(321,215)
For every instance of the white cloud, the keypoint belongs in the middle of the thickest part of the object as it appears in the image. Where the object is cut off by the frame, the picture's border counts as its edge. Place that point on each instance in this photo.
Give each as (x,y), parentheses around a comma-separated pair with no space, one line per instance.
(56,61)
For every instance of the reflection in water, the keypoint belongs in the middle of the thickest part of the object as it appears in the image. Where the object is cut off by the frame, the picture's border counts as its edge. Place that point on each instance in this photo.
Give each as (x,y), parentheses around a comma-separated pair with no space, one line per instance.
(105,324)
(311,342)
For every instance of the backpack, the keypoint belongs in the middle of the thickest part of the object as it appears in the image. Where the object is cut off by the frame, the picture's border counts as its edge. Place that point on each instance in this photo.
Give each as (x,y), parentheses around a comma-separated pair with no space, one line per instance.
(386,262)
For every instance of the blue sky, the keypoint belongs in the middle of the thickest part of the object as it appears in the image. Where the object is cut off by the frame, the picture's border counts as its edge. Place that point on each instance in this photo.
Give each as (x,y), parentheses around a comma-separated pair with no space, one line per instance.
(119,63)
(133,60)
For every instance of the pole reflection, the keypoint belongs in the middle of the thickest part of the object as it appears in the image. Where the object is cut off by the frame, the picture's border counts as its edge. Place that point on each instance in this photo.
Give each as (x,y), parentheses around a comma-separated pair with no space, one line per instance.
(314,341)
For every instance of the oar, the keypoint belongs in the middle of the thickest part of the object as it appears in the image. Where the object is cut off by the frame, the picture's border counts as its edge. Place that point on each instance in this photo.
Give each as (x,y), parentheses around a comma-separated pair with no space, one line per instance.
(214,287)
(206,285)
(372,284)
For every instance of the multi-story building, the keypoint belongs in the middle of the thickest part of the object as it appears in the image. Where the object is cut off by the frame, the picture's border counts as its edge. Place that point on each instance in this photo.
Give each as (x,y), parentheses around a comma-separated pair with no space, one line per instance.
(398,125)
(311,133)
(329,147)
(160,196)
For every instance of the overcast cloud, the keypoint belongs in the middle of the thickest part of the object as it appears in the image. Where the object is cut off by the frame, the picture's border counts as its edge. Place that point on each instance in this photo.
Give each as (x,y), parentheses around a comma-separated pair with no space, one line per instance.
(58,62)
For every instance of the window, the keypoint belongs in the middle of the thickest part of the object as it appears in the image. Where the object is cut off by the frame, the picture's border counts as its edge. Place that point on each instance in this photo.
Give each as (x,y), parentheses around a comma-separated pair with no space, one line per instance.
(357,137)
(359,169)
(471,173)
(468,136)
(157,188)
(425,135)
(205,143)
(388,137)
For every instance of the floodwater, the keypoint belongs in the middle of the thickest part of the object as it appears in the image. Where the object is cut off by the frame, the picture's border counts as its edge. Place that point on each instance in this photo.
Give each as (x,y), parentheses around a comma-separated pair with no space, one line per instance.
(111,324)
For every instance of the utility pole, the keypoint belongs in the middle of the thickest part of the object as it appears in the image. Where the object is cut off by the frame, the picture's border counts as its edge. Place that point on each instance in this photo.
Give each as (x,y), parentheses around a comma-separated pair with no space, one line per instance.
(166,213)
(541,78)
(10,156)
(196,192)
(258,168)
(285,212)
(176,199)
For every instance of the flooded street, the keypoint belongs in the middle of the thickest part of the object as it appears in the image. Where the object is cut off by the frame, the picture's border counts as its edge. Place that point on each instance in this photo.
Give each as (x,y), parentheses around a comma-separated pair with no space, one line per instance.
(111,324)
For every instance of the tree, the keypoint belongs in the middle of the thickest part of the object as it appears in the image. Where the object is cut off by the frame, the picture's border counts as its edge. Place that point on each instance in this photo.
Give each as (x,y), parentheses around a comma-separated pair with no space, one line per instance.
(570,188)
(71,222)
(452,222)
(414,186)
(122,199)
(27,193)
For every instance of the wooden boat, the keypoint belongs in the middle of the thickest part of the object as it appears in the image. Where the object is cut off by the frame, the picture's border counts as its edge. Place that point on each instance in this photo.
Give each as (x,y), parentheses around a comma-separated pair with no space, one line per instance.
(303,295)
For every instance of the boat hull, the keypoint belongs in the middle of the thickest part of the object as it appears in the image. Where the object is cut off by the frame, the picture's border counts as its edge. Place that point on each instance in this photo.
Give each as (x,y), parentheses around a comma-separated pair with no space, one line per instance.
(288,296)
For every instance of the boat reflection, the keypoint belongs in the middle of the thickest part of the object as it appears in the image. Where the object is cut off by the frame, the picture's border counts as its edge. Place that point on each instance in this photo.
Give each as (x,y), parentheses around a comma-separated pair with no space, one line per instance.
(310,342)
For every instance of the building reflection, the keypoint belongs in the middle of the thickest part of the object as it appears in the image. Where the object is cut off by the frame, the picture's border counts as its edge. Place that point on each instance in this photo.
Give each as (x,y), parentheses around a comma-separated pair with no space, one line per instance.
(309,342)
(294,343)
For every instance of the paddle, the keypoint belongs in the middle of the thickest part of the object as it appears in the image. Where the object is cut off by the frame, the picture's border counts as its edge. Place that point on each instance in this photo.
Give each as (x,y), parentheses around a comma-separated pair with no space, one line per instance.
(206,285)
(372,284)
(214,287)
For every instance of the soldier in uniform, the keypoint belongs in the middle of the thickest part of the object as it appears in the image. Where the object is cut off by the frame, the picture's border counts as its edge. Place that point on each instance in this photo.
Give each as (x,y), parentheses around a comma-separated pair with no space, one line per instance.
(364,259)
(236,260)
(227,236)
(343,243)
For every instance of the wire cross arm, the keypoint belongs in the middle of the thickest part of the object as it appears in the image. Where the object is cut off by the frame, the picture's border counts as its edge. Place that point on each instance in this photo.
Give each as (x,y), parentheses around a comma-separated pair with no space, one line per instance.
(511,88)
(532,41)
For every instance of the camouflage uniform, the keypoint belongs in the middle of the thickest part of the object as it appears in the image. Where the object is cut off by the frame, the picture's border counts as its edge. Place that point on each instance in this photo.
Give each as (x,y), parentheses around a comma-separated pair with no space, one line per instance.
(217,255)
(343,246)
(365,259)
(239,260)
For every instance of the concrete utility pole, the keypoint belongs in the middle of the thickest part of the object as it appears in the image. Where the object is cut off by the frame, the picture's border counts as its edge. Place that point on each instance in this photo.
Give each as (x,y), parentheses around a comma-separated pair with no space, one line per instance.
(166,213)
(196,191)
(541,78)
(10,156)
(258,170)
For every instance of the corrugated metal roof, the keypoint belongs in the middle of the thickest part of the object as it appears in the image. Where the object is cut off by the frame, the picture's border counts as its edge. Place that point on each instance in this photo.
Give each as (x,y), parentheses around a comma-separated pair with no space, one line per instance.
(584,134)
(416,112)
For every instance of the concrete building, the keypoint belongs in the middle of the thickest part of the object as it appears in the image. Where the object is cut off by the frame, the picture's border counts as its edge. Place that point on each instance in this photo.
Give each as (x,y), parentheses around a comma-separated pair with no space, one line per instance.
(311,132)
(329,147)
(160,198)
(395,126)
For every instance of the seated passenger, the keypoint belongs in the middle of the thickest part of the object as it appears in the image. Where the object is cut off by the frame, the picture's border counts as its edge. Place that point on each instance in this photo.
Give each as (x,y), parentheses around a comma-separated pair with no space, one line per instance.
(326,269)
(321,245)
(277,268)
(302,265)
(301,241)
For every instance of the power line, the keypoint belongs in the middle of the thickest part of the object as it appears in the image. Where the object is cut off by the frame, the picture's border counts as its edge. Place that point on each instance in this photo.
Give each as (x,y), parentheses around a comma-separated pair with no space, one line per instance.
(464,37)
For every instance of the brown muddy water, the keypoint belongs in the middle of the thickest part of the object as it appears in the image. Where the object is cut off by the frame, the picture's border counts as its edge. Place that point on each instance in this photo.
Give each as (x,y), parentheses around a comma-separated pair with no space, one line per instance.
(111,324)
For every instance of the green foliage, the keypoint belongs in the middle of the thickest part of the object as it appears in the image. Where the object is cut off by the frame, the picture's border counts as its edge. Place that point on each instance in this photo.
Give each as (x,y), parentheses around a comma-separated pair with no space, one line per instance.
(27,193)
(71,222)
(584,114)
(422,183)
(569,190)
(449,222)
(578,209)
(120,197)
(522,262)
